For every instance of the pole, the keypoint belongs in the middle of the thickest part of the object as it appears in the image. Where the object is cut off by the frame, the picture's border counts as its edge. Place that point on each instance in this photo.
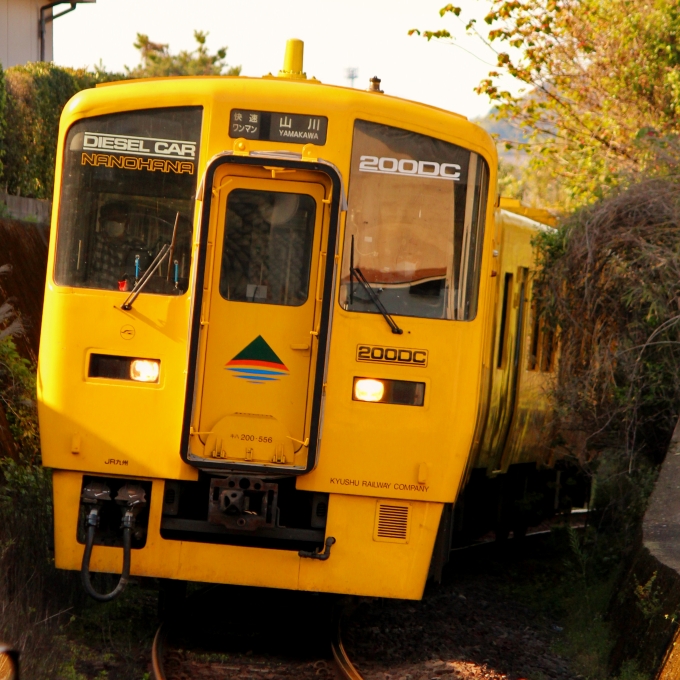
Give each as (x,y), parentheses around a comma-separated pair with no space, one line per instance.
(44,19)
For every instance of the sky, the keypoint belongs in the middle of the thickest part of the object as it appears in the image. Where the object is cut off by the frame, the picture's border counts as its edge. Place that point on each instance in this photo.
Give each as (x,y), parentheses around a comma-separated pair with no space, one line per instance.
(369,35)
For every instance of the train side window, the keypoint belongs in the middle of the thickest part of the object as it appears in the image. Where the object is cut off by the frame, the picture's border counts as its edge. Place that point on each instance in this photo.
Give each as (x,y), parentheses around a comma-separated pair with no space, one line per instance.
(535,337)
(520,330)
(415,224)
(543,345)
(475,217)
(503,333)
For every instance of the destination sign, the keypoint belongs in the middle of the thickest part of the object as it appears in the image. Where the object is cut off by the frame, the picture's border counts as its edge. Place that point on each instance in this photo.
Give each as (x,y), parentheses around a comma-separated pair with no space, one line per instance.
(278,127)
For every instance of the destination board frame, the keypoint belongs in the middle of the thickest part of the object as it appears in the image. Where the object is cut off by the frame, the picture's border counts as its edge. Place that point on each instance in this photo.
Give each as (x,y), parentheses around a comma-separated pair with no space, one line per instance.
(274,126)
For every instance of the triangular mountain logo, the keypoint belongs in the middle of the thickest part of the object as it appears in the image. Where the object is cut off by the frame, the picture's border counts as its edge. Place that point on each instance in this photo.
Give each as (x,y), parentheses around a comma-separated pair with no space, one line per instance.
(257,363)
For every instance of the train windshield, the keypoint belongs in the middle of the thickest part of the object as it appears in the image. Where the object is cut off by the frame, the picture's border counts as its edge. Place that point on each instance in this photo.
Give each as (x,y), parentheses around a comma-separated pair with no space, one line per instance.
(415,224)
(128,189)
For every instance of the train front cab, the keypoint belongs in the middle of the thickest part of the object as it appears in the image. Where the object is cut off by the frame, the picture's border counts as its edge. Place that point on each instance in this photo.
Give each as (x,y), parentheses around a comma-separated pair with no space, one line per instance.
(280,405)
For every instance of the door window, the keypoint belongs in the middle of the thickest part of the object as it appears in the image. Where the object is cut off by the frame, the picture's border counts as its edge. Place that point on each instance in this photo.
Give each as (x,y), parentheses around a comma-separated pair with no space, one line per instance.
(267,249)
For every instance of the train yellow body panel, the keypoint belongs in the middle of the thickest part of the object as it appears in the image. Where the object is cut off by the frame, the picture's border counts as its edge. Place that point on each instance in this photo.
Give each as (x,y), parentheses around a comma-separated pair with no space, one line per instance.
(360,566)
(87,417)
(513,431)
(366,461)
(272,315)
(529,436)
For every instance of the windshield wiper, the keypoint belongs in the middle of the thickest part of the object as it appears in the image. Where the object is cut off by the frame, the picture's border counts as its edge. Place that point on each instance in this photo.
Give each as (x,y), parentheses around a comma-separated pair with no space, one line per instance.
(373,296)
(157,261)
(172,252)
(146,276)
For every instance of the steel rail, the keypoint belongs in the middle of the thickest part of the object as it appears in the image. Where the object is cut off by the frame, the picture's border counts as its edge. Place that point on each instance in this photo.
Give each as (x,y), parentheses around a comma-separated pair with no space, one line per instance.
(157,654)
(345,667)
(581,524)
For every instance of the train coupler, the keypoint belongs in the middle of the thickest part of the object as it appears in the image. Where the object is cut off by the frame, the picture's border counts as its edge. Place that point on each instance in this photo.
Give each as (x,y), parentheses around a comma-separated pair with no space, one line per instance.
(242,502)
(131,498)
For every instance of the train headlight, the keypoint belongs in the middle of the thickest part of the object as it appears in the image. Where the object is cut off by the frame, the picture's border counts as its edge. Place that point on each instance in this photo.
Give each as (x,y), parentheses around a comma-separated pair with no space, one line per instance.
(387,391)
(145,370)
(367,389)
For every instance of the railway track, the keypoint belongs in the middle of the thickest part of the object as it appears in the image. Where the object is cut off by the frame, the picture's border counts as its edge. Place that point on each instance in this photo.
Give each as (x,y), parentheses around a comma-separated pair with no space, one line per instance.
(345,667)
(157,650)
(343,664)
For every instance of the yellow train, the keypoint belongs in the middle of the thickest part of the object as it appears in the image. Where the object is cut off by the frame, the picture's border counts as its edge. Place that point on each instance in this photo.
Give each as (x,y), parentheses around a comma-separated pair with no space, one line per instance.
(287,327)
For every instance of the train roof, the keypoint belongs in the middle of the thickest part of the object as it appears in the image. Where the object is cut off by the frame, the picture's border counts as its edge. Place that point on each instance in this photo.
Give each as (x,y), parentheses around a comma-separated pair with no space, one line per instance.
(541,215)
(514,219)
(292,92)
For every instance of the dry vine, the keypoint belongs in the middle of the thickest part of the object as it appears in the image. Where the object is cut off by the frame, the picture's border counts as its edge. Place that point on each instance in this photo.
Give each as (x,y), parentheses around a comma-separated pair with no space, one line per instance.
(611,283)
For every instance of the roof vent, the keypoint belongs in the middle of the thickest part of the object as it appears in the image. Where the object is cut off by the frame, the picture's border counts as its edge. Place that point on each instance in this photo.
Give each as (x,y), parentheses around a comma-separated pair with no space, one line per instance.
(392,522)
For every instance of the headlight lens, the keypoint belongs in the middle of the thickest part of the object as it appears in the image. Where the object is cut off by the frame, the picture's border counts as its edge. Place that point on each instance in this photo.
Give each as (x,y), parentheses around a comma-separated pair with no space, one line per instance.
(387,391)
(367,389)
(145,370)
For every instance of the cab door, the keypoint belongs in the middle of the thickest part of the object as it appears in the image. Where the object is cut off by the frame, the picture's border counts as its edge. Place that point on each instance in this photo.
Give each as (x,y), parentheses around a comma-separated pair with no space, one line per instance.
(261,305)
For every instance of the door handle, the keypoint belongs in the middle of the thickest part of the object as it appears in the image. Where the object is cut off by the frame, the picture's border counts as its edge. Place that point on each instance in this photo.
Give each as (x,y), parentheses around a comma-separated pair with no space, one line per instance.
(302,347)
(207,275)
(319,278)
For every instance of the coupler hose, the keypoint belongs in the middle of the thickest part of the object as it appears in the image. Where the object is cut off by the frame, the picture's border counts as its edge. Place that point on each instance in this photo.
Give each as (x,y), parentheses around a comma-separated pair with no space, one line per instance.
(92,523)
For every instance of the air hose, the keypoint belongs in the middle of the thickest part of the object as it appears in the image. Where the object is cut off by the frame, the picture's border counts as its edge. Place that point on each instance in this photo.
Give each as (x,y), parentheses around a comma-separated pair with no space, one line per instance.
(92,523)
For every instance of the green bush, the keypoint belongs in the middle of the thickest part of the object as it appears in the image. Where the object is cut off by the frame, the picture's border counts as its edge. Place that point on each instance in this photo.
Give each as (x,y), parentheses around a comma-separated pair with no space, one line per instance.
(33,594)
(17,399)
(32,97)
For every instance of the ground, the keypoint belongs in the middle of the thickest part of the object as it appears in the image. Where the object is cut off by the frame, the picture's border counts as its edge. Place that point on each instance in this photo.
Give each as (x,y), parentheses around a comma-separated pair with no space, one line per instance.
(514,612)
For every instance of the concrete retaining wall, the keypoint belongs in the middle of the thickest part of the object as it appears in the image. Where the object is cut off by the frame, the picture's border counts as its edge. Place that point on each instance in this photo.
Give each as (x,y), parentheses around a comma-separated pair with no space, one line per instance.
(27,209)
(646,610)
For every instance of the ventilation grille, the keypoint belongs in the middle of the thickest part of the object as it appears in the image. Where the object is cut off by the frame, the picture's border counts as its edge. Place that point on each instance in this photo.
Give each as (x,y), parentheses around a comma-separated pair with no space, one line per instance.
(392,522)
